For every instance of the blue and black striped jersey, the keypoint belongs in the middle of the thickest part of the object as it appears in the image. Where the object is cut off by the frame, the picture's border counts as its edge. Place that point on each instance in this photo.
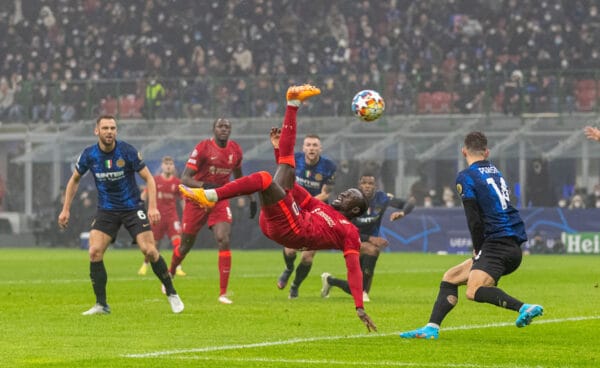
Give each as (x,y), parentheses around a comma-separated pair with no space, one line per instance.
(483,183)
(313,177)
(369,223)
(114,174)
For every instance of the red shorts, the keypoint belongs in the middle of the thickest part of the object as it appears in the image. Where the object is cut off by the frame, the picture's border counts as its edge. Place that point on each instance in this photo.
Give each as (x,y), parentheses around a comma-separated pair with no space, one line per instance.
(168,225)
(194,217)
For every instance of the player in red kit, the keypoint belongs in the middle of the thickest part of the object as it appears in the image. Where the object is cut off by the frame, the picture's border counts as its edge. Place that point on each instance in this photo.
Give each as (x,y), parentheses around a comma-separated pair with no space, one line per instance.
(290,215)
(210,165)
(167,194)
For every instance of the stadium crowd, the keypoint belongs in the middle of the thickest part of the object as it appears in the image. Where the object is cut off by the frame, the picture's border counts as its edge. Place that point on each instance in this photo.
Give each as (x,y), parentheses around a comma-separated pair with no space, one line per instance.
(64,60)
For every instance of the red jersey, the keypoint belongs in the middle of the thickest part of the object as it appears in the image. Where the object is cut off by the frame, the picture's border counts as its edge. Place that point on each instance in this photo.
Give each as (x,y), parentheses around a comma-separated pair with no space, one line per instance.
(214,164)
(317,225)
(300,221)
(167,193)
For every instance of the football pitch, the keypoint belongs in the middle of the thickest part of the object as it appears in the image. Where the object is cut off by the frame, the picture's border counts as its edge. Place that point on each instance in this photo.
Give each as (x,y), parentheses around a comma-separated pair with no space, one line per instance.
(43,292)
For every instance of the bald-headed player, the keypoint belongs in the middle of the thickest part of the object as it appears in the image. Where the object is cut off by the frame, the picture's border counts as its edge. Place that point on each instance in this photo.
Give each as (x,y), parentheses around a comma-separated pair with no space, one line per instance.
(292,217)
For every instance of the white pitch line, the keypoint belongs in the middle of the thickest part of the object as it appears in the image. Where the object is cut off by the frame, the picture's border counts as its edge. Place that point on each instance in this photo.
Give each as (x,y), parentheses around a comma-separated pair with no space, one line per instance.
(330,338)
(150,277)
(379,363)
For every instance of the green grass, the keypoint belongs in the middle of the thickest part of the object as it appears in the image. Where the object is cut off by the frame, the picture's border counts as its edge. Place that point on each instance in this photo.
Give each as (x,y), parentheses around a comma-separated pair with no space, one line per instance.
(44,291)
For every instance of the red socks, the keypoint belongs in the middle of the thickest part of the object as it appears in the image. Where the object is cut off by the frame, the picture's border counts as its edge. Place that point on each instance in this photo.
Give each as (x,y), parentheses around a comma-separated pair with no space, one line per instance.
(287,141)
(224,269)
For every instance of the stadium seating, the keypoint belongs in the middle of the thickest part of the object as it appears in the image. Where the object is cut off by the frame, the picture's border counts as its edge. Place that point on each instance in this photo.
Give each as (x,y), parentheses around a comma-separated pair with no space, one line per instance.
(128,106)
(424,103)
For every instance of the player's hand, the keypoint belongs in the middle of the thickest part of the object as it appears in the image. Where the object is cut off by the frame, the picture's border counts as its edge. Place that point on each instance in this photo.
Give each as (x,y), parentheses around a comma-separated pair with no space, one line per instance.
(396,215)
(592,133)
(63,219)
(253,208)
(275,135)
(153,215)
(364,317)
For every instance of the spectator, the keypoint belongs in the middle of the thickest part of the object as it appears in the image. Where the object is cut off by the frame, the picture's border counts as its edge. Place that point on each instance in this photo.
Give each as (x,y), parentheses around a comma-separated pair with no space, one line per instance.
(155,94)
(577,202)
(7,97)
(115,40)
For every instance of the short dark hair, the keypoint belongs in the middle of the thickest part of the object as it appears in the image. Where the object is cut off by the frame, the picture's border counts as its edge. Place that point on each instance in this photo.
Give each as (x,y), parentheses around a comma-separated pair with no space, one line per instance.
(367,173)
(476,142)
(219,119)
(105,116)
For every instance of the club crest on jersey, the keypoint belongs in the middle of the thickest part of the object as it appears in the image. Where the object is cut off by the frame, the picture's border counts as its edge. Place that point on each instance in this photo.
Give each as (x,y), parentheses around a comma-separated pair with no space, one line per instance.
(108,164)
(459,188)
(120,163)
(318,177)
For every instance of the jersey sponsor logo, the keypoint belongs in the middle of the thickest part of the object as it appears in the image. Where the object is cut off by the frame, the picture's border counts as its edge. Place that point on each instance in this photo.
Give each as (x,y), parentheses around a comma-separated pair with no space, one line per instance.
(120,163)
(366,220)
(329,220)
(110,176)
(213,170)
(308,184)
(165,195)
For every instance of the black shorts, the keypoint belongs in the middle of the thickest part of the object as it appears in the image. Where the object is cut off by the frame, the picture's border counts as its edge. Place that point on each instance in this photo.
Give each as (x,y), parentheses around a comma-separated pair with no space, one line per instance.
(498,257)
(109,222)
